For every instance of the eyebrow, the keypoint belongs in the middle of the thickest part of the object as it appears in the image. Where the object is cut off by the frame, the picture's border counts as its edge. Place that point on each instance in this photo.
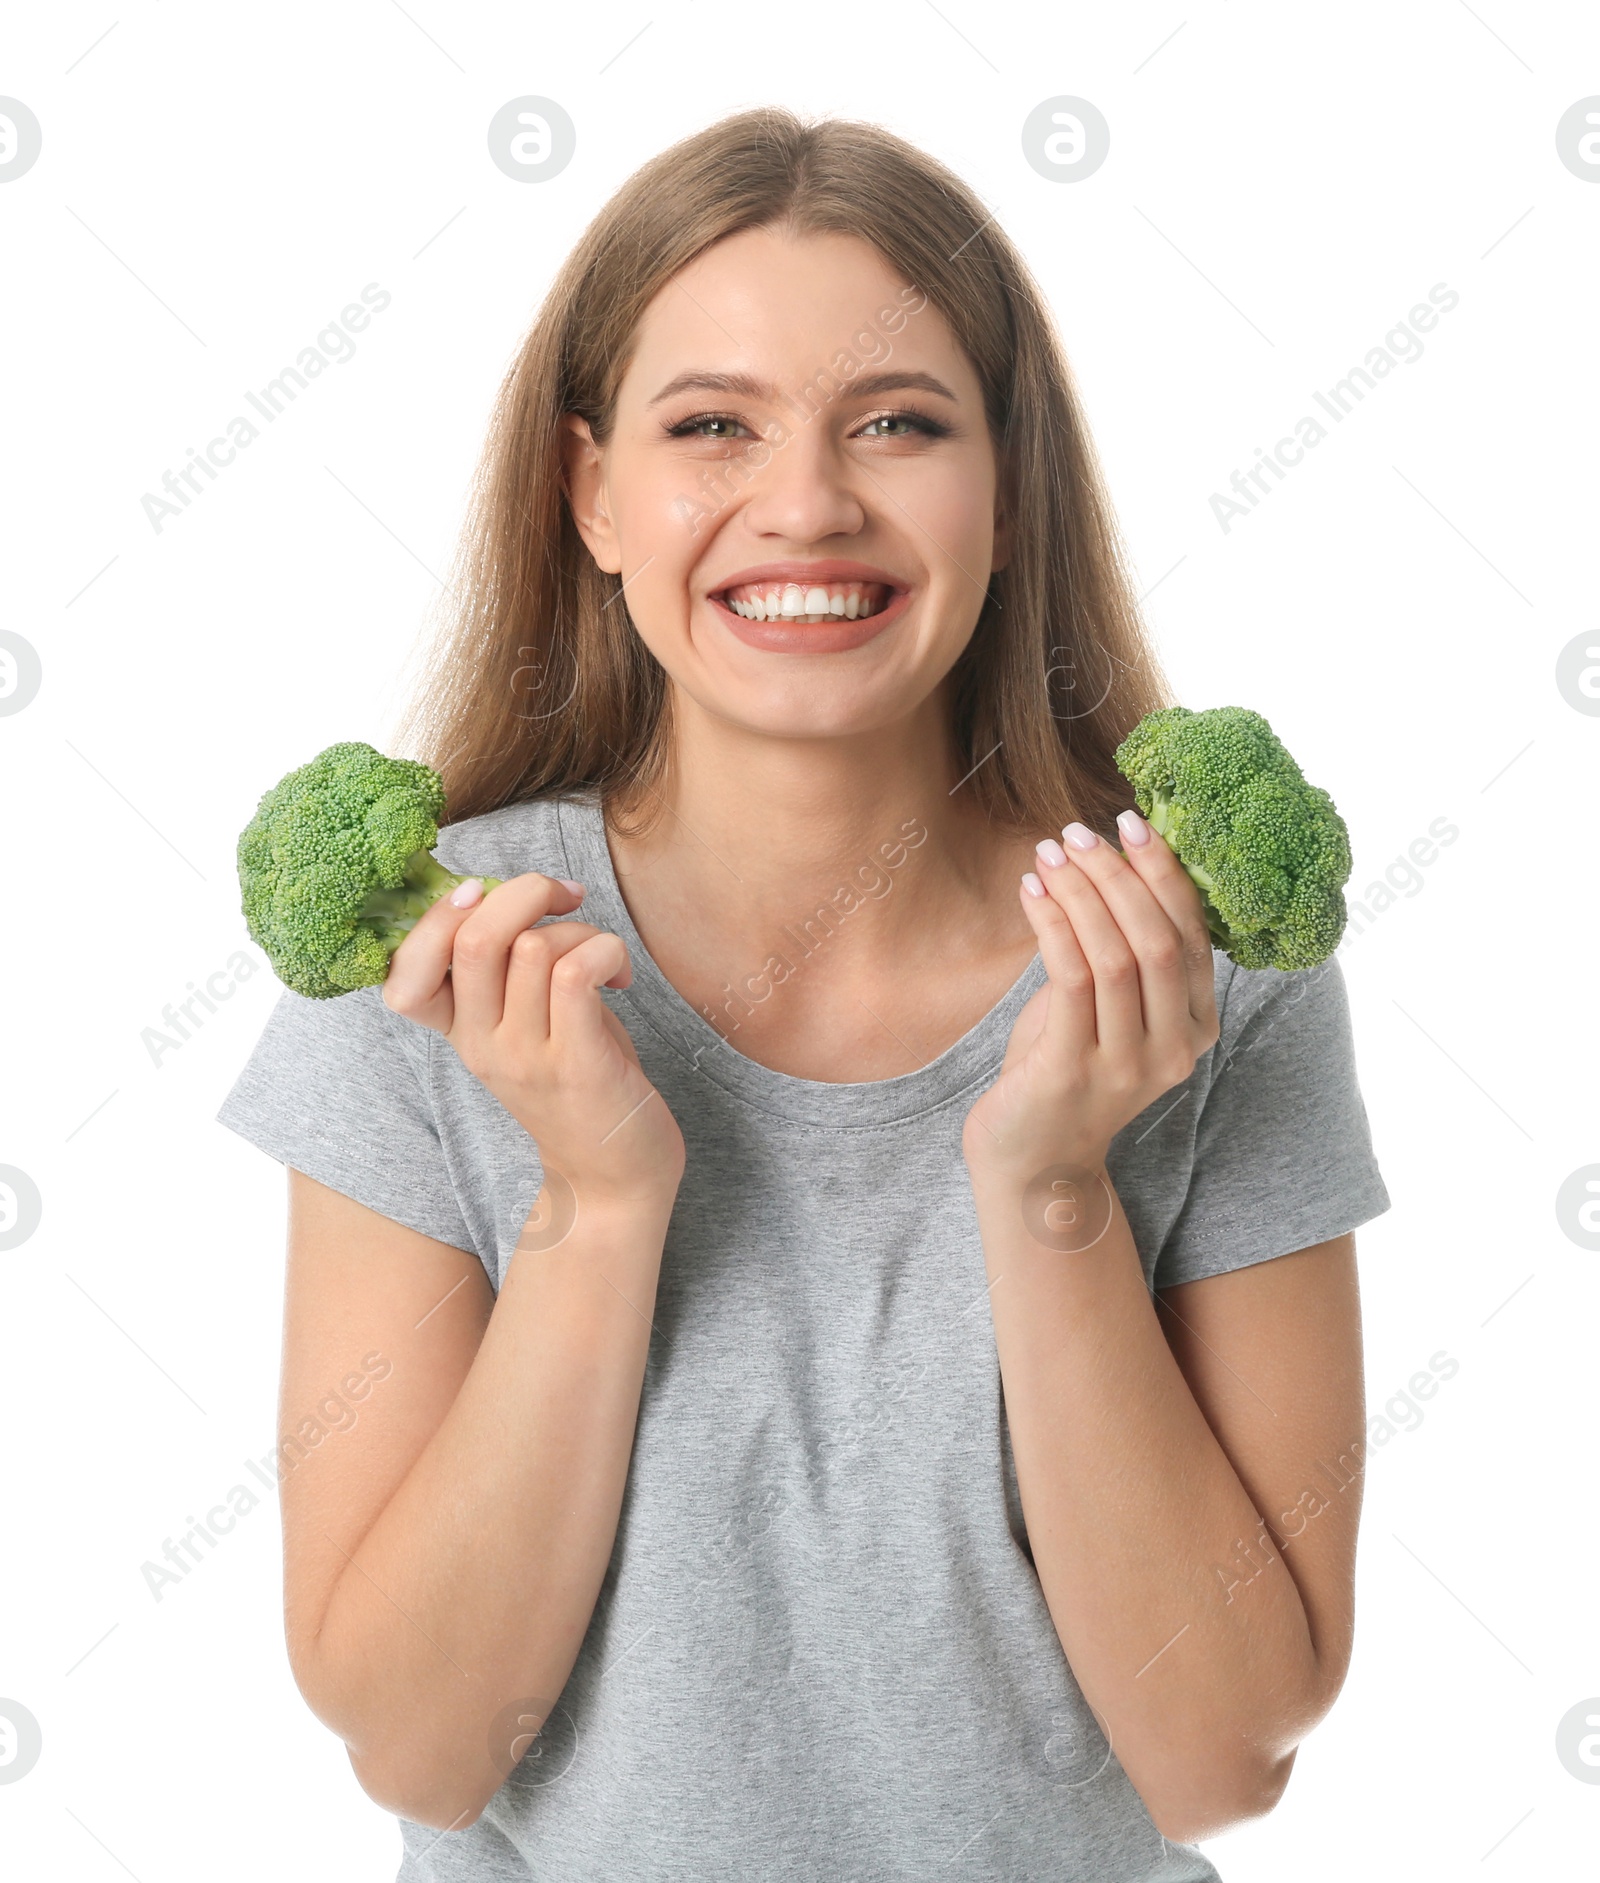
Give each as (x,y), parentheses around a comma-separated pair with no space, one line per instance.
(869,386)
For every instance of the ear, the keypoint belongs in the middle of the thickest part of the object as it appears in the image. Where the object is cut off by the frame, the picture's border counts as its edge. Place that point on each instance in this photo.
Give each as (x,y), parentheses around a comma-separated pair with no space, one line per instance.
(583,482)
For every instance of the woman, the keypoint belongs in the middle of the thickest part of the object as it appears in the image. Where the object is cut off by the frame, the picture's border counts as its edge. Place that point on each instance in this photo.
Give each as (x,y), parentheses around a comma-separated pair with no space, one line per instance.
(843,1417)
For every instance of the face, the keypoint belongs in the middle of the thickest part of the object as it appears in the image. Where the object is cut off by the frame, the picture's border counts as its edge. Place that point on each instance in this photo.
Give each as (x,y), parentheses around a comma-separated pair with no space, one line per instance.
(800,490)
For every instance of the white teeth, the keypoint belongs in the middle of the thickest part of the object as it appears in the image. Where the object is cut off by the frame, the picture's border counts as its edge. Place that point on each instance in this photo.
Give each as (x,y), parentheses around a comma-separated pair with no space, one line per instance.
(849,601)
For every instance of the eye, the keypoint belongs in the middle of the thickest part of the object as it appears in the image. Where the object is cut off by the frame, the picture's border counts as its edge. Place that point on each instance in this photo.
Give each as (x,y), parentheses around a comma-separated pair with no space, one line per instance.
(885,427)
(919,423)
(691,427)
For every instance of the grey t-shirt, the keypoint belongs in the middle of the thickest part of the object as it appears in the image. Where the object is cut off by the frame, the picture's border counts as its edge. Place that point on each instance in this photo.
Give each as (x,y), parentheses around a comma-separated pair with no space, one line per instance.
(820,1649)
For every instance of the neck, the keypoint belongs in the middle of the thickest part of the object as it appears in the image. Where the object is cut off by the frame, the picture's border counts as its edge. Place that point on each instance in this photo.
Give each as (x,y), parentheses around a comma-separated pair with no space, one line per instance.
(755,834)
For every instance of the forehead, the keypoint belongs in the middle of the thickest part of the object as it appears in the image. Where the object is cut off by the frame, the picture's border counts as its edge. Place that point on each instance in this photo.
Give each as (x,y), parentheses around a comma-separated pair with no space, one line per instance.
(781,307)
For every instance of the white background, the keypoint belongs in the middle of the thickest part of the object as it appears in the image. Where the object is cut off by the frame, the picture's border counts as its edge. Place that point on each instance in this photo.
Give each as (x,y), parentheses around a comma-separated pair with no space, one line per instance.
(1283,185)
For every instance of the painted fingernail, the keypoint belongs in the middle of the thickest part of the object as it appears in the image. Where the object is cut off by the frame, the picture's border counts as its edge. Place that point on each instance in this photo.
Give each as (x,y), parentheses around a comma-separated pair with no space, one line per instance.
(1080,836)
(1031,883)
(467,893)
(1133,827)
(1051,852)
(567,883)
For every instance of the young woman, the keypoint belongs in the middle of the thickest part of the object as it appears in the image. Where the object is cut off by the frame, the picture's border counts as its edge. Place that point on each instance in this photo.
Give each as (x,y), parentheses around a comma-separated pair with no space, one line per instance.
(873,1376)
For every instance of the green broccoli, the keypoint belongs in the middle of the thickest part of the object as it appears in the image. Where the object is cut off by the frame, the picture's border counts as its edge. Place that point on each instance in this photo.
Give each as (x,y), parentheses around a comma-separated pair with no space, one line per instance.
(335,867)
(1268,852)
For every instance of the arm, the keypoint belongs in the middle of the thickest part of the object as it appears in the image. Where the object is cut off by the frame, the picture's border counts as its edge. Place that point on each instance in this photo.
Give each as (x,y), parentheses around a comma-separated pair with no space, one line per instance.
(1151,1441)
(1147,1440)
(443,1555)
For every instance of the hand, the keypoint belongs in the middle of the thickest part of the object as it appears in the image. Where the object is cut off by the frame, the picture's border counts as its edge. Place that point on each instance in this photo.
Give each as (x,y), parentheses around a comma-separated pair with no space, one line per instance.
(1128,1008)
(521,1006)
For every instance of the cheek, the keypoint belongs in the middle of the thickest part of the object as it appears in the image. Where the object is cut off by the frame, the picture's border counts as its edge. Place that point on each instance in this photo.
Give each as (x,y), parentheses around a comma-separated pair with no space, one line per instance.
(659,500)
(657,601)
(663,526)
(954,503)
(956,537)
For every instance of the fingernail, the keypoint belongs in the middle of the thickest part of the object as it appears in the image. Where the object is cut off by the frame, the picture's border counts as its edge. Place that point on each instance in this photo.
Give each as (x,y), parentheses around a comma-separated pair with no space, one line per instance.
(1031,883)
(1051,852)
(1133,827)
(467,893)
(567,883)
(1080,836)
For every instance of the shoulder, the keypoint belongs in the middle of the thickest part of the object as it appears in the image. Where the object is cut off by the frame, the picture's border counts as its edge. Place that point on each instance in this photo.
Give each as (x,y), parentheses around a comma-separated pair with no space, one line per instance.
(1301,1009)
(513,840)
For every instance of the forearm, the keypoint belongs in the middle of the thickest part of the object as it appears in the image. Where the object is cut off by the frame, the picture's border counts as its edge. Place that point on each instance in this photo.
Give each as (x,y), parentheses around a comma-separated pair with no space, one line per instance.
(1203,1683)
(476,1584)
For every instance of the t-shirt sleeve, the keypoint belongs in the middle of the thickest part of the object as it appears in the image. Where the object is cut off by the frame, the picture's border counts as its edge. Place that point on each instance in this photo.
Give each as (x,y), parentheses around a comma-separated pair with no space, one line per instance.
(339,1089)
(1283,1154)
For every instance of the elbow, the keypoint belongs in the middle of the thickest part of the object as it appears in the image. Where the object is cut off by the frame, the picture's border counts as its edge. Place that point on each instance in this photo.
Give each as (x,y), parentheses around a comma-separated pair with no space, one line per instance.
(427,1797)
(1226,1800)
(1227,1789)
(412,1777)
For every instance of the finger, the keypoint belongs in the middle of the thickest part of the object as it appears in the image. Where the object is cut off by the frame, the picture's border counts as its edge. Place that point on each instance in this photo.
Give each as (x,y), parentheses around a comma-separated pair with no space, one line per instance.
(480,955)
(1147,852)
(533,955)
(1068,1029)
(416,989)
(419,983)
(1150,932)
(577,1013)
(1118,1013)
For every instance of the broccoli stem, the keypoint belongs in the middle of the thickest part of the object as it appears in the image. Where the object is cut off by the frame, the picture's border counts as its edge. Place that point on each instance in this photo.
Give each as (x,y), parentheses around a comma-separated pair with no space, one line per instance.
(1166,824)
(392,913)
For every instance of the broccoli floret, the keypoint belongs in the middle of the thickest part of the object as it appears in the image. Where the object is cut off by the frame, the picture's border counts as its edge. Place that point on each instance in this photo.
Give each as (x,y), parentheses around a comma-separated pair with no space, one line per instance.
(335,867)
(1268,852)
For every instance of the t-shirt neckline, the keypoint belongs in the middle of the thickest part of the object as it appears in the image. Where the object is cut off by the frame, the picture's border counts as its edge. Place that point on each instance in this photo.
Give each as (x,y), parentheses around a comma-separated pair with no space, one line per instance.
(658,1004)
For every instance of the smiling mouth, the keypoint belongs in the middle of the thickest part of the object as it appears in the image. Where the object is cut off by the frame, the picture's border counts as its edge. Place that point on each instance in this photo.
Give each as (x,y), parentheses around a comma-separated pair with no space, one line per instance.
(803,603)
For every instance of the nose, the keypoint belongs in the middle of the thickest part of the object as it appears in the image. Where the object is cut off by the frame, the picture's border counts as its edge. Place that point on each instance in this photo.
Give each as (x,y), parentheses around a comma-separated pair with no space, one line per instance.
(805,490)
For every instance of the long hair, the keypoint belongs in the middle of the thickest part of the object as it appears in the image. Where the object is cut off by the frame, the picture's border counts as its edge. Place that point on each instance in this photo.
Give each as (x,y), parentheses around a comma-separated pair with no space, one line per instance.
(540,685)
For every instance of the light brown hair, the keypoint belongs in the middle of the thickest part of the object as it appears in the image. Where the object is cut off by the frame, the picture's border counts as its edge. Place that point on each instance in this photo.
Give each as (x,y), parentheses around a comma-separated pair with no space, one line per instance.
(541,686)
